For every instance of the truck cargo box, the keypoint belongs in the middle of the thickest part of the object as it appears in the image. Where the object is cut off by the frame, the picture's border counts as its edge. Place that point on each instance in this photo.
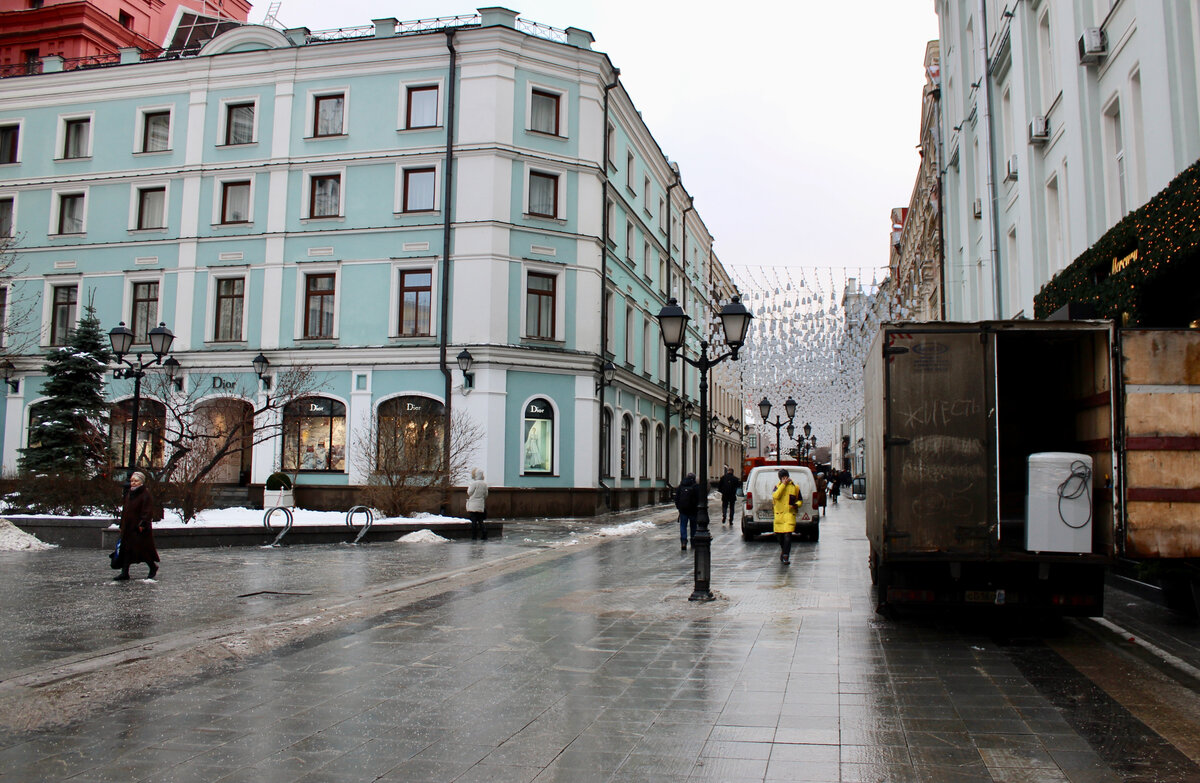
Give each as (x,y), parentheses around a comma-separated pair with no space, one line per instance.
(953,413)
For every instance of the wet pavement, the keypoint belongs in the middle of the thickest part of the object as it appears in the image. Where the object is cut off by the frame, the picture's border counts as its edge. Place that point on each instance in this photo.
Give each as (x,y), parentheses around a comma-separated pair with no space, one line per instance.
(526,660)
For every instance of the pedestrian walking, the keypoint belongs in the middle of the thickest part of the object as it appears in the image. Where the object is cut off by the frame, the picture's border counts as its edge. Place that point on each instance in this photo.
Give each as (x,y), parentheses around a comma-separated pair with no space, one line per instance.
(819,500)
(137,530)
(835,487)
(687,500)
(728,486)
(786,502)
(477,492)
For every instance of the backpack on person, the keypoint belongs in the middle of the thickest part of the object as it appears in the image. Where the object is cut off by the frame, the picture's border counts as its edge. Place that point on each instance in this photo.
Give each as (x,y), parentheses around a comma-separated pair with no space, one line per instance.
(685,498)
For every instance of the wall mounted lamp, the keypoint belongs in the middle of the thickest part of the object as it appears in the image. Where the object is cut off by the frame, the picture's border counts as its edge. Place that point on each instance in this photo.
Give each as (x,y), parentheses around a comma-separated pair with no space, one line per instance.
(465,360)
(8,369)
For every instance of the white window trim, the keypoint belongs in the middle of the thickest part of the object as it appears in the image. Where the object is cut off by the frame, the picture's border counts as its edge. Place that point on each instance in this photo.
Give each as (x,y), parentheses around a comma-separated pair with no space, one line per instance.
(49,283)
(302,273)
(646,458)
(402,113)
(398,195)
(11,194)
(306,195)
(19,123)
(564,130)
(561,189)
(630,321)
(519,445)
(215,275)
(223,119)
(131,279)
(311,112)
(61,136)
(135,197)
(560,310)
(56,207)
(139,129)
(412,265)
(648,335)
(218,190)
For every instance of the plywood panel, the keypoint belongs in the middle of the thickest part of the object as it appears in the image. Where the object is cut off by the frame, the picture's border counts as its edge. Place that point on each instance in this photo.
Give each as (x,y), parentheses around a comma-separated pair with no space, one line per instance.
(1168,356)
(1162,414)
(1169,469)
(1162,530)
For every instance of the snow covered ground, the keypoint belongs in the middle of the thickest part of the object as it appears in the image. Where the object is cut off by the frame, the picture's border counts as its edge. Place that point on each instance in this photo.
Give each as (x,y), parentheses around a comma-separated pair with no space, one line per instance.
(13,539)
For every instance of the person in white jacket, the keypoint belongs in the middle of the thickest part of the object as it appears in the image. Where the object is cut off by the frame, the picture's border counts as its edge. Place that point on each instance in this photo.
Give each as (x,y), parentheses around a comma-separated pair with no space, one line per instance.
(477,492)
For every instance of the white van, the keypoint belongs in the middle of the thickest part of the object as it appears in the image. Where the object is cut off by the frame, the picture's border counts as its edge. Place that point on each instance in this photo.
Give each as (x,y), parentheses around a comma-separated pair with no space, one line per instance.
(759,516)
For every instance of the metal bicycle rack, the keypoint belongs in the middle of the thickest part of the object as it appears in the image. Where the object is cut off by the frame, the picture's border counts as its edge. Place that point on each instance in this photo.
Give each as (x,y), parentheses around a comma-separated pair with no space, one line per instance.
(350,521)
(287,513)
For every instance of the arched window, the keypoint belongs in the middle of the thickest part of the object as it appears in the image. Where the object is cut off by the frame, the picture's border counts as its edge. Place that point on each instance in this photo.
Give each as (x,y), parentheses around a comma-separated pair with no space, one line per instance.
(314,435)
(660,453)
(410,435)
(626,445)
(152,418)
(537,453)
(644,449)
(605,442)
(38,414)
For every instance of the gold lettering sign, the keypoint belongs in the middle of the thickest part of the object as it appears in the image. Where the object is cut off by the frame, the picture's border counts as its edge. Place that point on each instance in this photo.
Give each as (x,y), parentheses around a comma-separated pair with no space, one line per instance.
(1120,263)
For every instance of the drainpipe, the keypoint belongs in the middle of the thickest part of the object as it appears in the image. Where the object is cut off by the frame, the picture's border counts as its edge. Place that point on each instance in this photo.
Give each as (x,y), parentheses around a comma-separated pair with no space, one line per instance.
(993,195)
(667,380)
(937,166)
(604,229)
(447,202)
(683,282)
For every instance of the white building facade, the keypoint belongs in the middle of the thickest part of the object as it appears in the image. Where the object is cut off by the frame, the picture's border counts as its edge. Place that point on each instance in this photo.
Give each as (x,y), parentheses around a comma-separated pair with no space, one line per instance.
(1059,118)
(370,203)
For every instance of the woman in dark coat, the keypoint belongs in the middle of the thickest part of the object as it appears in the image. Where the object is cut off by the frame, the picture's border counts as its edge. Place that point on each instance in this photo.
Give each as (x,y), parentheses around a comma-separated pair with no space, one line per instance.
(137,534)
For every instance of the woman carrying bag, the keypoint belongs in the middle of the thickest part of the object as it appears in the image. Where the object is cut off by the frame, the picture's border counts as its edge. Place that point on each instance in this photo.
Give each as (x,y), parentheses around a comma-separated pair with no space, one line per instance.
(137,532)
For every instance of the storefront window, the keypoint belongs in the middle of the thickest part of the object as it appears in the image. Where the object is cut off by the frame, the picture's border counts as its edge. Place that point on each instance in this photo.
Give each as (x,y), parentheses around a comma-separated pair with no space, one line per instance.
(539,437)
(314,435)
(410,435)
(152,419)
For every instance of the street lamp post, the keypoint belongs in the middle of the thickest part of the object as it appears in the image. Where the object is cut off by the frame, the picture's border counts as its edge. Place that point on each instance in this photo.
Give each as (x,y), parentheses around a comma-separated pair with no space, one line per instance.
(764,410)
(735,322)
(121,339)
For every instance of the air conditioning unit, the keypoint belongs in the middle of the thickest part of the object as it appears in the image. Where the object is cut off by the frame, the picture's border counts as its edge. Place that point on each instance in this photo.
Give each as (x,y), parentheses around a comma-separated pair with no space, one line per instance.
(1039,130)
(1010,169)
(977,208)
(1092,46)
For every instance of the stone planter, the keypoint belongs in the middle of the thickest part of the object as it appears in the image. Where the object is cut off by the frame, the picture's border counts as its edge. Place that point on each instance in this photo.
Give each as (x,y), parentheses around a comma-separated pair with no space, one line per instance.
(278,497)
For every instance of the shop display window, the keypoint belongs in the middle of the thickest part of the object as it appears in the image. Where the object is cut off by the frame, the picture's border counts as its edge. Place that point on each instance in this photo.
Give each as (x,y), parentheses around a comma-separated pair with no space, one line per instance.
(314,435)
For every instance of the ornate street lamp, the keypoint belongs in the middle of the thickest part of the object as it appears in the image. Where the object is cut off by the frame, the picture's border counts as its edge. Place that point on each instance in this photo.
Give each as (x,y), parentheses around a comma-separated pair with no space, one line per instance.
(735,321)
(121,340)
(764,410)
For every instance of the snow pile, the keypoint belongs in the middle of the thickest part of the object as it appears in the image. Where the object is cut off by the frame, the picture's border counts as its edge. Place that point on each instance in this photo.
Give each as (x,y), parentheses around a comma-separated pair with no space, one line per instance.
(13,539)
(425,536)
(628,529)
(253,517)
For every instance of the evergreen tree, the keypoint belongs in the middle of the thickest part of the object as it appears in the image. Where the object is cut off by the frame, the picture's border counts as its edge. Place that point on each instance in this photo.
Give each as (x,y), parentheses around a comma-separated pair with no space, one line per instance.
(72,424)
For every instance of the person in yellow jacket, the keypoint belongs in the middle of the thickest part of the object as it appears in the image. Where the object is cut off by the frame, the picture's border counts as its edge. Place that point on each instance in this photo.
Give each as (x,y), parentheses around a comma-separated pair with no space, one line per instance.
(786,502)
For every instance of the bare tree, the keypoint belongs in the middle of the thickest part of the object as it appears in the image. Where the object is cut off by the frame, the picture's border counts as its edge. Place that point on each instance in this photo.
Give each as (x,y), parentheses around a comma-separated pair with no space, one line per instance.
(200,432)
(19,329)
(402,460)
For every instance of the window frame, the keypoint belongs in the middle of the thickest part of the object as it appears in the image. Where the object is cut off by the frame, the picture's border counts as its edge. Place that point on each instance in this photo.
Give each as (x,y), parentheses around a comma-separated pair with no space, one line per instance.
(559,325)
(330,451)
(313,120)
(141,136)
(57,213)
(219,200)
(541,297)
(404,174)
(137,202)
(10,198)
(136,299)
(224,127)
(643,448)
(402,290)
(310,180)
(395,324)
(304,272)
(626,445)
(404,121)
(216,298)
(553,416)
(65,123)
(16,126)
(541,91)
(556,179)
(53,338)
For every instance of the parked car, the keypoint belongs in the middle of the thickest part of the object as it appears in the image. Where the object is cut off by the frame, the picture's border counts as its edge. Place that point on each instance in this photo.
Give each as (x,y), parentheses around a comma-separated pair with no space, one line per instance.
(759,515)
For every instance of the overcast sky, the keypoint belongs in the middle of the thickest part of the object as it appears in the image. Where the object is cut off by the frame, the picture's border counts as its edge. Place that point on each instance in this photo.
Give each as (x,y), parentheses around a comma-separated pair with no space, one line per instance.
(794,122)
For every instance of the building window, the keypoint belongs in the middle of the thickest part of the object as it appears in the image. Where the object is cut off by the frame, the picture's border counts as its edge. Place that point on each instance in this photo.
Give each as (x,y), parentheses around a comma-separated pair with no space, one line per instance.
(239,123)
(646,195)
(543,194)
(152,419)
(328,115)
(6,216)
(1046,53)
(145,311)
(325,196)
(608,331)
(644,449)
(538,451)
(416,302)
(660,453)
(626,444)
(314,435)
(543,115)
(1116,157)
(629,240)
(9,136)
(410,435)
(70,213)
(610,143)
(235,202)
(421,105)
(419,189)
(629,178)
(318,306)
(62,313)
(231,301)
(76,137)
(606,443)
(152,205)
(629,333)
(125,19)
(539,306)
(662,215)
(156,131)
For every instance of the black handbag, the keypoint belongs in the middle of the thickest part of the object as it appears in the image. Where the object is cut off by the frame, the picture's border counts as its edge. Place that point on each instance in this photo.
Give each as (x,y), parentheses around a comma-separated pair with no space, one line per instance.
(115,556)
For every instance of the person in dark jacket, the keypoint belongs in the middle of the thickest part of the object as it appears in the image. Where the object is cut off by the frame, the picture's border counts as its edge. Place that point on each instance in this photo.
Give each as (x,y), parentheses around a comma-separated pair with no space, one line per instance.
(137,533)
(728,486)
(687,500)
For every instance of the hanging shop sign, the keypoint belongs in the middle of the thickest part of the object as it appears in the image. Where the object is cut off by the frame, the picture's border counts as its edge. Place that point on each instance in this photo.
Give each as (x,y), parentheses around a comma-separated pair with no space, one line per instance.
(1125,261)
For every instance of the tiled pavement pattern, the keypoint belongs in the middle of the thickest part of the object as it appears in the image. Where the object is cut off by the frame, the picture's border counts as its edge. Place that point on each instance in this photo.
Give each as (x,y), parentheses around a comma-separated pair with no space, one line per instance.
(594,667)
